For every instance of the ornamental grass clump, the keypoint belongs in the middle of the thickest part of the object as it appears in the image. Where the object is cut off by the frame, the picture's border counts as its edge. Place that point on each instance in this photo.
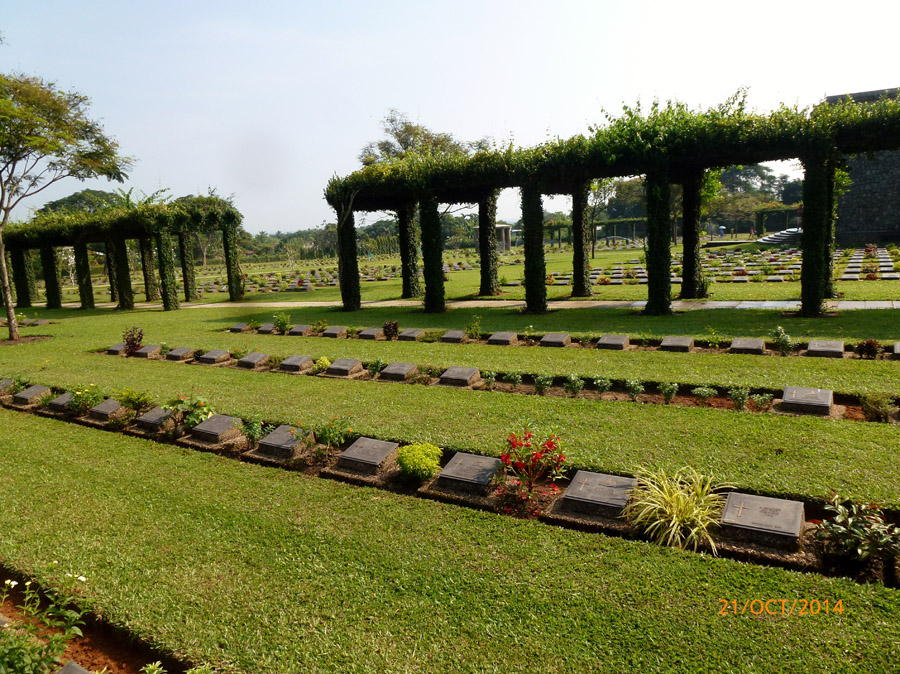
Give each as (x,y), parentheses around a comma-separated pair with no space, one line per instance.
(419,461)
(676,509)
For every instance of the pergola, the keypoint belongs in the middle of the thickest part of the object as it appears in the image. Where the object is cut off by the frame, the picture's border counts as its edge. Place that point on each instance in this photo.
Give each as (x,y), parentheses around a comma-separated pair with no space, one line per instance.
(671,144)
(157,227)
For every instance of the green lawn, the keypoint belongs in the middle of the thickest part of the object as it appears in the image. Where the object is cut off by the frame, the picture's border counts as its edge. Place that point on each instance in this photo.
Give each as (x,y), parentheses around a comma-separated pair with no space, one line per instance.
(772,454)
(260,570)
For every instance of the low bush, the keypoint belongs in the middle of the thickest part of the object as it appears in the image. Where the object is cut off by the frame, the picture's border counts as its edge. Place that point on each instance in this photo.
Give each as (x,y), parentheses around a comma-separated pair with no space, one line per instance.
(668,390)
(420,461)
(704,393)
(376,366)
(84,398)
(573,384)
(783,342)
(391,330)
(602,384)
(542,384)
(761,401)
(634,388)
(255,430)
(514,378)
(490,378)
(739,397)
(868,349)
(190,410)
(282,322)
(857,530)
(321,365)
(137,401)
(473,329)
(878,406)
(133,339)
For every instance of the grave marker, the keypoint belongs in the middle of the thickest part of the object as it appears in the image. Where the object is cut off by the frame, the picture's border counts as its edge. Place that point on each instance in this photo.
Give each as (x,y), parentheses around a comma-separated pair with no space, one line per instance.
(453,337)
(180,353)
(30,395)
(296,364)
(680,344)
(468,472)
(149,351)
(106,410)
(613,342)
(372,333)
(770,521)
(556,339)
(218,428)
(335,332)
(239,327)
(300,331)
(503,339)
(807,400)
(825,348)
(155,419)
(253,360)
(460,376)
(116,349)
(215,356)
(411,335)
(598,493)
(398,371)
(344,367)
(365,455)
(756,347)
(280,443)
(266,329)
(61,403)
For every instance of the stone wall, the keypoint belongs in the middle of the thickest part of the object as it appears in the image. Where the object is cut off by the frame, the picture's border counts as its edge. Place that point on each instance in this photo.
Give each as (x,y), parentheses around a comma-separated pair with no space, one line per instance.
(870,209)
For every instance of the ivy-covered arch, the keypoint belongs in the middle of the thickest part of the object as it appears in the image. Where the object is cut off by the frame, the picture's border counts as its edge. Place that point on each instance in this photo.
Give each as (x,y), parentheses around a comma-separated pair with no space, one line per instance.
(667,144)
(156,226)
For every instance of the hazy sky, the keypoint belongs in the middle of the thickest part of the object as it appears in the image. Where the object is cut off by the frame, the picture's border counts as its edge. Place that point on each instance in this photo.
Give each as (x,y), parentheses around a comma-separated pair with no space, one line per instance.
(267,100)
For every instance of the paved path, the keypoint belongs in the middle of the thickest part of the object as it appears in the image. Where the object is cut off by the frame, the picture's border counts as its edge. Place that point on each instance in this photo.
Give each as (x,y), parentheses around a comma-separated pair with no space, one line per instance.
(780,305)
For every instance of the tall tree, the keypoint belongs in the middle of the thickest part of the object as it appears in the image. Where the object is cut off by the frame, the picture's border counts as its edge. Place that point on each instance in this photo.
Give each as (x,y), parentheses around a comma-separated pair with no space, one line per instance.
(88,201)
(46,136)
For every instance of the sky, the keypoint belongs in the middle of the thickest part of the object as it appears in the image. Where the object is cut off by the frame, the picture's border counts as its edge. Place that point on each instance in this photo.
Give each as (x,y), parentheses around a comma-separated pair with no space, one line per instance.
(265,101)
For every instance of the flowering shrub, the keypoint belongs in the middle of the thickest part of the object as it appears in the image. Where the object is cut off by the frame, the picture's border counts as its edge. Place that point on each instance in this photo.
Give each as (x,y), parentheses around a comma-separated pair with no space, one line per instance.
(858,530)
(531,465)
(84,398)
(391,330)
(133,338)
(191,410)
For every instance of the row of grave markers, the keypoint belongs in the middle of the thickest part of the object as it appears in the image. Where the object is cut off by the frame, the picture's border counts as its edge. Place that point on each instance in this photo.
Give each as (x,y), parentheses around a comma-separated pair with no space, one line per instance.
(763,520)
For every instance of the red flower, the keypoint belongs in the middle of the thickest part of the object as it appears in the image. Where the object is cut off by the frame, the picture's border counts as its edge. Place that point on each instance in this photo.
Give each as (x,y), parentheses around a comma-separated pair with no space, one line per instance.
(505,458)
(519,465)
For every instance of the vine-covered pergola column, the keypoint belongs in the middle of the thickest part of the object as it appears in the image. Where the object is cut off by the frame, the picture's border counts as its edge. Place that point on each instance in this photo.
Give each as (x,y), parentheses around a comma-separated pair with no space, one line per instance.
(690,263)
(151,292)
(20,268)
(533,235)
(828,261)
(487,243)
(83,275)
(816,214)
(50,267)
(348,265)
(188,277)
(659,284)
(110,254)
(432,255)
(123,274)
(409,250)
(232,264)
(581,241)
(165,254)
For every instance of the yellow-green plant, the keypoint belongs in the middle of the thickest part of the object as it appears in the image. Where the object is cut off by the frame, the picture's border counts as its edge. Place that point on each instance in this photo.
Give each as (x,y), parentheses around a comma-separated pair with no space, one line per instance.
(676,509)
(419,461)
(321,365)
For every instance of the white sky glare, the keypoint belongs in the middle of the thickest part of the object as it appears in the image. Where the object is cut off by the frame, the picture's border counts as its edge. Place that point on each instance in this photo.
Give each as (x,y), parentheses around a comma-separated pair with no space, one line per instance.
(267,100)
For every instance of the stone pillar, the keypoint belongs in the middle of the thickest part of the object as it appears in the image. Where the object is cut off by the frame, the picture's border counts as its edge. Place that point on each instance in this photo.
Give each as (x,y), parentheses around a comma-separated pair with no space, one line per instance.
(816,209)
(348,265)
(20,268)
(151,292)
(123,274)
(487,244)
(409,250)
(165,253)
(535,266)
(186,245)
(110,255)
(232,264)
(659,263)
(581,280)
(432,256)
(83,274)
(50,267)
(691,271)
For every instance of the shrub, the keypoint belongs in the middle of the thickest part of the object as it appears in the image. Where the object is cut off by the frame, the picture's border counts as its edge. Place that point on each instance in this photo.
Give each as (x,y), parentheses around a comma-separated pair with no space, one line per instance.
(419,461)
(857,530)
(783,342)
(254,429)
(704,393)
(668,390)
(713,338)
(190,410)
(878,406)
(677,509)
(543,383)
(84,398)
(868,349)
(739,397)
(391,330)
(473,329)
(761,401)
(238,352)
(321,365)
(634,388)
(319,326)
(376,366)
(334,433)
(140,402)
(573,384)
(282,322)
(133,338)
(514,378)
(531,463)
(602,384)
(489,377)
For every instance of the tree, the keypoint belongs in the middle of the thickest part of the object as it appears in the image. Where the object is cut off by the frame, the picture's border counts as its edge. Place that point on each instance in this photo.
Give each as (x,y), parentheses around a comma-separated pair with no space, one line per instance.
(87,201)
(46,136)
(790,191)
(599,194)
(405,139)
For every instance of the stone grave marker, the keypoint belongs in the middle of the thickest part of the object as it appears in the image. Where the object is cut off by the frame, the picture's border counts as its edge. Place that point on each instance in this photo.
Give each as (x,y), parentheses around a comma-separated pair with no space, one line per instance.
(503,339)
(296,364)
(807,400)
(598,493)
(453,337)
(398,371)
(300,331)
(280,443)
(253,360)
(411,335)
(335,332)
(215,356)
(371,333)
(5,384)
(896,352)
(30,395)
(756,347)
(825,348)
(557,339)
(681,344)
(61,403)
(106,410)
(266,329)
(760,519)
(155,419)
(365,455)
(344,367)
(116,349)
(775,279)
(468,472)
(460,376)
(218,428)
(180,353)
(149,351)
(72,667)
(613,342)
(239,327)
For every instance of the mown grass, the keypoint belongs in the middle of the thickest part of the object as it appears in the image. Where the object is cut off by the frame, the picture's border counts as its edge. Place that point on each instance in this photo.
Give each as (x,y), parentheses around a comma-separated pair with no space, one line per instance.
(804,457)
(259,570)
